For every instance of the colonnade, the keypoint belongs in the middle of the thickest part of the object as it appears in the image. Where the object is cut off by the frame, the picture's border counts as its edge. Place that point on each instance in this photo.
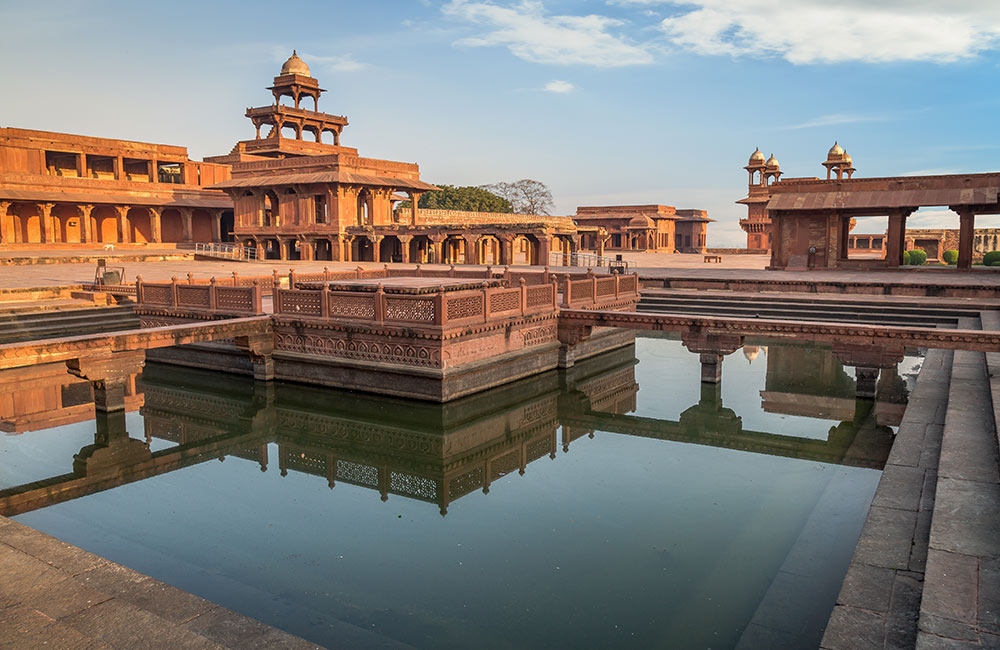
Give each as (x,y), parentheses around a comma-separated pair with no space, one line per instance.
(88,223)
(408,248)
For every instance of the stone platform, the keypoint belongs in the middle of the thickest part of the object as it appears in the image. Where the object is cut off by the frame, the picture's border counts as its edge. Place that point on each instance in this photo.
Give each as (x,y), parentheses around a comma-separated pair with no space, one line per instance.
(56,595)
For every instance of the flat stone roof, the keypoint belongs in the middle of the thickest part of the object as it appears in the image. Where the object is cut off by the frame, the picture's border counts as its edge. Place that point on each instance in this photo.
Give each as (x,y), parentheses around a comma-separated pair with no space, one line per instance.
(403,285)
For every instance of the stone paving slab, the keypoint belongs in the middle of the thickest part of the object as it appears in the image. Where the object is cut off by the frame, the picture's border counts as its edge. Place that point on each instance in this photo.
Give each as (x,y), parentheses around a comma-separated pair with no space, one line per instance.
(879,601)
(55,595)
(959,606)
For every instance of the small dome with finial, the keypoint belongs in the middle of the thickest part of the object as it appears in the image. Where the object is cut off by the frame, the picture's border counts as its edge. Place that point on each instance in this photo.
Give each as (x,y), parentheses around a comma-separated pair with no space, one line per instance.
(756,157)
(772,162)
(295,65)
(836,151)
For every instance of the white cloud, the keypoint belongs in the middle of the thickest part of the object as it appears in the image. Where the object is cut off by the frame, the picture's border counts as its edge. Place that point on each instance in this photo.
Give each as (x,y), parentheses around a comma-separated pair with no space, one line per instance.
(561,87)
(840,118)
(345,63)
(819,31)
(531,34)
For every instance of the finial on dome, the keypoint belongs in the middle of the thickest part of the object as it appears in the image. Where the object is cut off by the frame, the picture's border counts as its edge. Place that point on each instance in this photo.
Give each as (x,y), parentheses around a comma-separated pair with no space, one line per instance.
(295,65)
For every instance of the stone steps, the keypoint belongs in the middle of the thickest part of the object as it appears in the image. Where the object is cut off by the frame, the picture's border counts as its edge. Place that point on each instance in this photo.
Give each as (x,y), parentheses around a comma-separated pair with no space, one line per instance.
(31,326)
(737,306)
(926,571)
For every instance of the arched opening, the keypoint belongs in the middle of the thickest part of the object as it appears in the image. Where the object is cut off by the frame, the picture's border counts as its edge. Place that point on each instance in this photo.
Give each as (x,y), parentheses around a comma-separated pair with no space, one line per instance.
(271,216)
(272,249)
(290,132)
(68,224)
(489,250)
(525,250)
(171,226)
(390,249)
(139,228)
(362,250)
(453,250)
(104,224)
(30,218)
(293,250)
(364,207)
(323,249)
(201,226)
(227,224)
(420,247)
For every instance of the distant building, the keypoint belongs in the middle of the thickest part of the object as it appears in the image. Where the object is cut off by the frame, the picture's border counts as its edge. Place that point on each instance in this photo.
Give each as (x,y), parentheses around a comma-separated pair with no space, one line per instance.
(57,188)
(653,228)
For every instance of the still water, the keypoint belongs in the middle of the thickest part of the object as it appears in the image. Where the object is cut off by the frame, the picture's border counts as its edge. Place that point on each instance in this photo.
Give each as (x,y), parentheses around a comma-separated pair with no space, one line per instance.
(622,504)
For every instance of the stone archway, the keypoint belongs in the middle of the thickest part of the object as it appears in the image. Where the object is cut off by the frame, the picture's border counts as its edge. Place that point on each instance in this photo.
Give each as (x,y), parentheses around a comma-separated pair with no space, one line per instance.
(362,249)
(171,226)
(104,224)
(201,226)
(68,224)
(420,247)
(390,249)
(140,228)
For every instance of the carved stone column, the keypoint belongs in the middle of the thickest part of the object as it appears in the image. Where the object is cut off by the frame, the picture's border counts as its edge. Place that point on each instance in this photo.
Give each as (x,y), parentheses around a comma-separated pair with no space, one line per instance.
(260,347)
(123,233)
(711,348)
(216,225)
(48,228)
(186,217)
(404,248)
(6,233)
(966,230)
(155,224)
(867,360)
(435,250)
(108,374)
(86,232)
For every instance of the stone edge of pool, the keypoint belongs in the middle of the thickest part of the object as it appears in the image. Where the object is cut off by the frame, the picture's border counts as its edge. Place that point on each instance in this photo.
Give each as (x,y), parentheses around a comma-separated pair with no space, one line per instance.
(56,594)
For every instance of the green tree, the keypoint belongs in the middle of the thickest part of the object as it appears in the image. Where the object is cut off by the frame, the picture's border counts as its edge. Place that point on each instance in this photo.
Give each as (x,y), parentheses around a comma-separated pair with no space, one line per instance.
(526,196)
(469,199)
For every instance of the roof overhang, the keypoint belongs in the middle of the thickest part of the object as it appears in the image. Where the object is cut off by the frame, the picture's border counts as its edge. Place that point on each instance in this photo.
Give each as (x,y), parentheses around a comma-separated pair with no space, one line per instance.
(882,199)
(342,177)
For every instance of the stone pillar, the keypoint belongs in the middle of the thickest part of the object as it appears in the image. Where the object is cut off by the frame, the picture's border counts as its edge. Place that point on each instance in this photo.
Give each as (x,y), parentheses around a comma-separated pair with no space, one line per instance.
(81,165)
(48,228)
(155,224)
(216,225)
(966,230)
(404,247)
(119,169)
(895,240)
(506,250)
(414,210)
(866,380)
(85,231)
(151,167)
(260,347)
(867,360)
(282,249)
(108,373)
(435,249)
(186,217)
(123,234)
(544,249)
(471,252)
(711,348)
(5,230)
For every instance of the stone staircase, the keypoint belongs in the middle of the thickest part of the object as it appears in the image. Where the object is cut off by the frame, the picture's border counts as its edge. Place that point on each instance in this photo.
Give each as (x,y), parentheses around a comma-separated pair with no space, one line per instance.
(29,326)
(807,307)
(926,570)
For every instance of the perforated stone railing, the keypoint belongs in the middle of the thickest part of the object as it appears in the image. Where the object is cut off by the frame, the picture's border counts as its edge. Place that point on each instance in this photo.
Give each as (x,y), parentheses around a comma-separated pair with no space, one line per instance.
(212,298)
(437,308)
(598,291)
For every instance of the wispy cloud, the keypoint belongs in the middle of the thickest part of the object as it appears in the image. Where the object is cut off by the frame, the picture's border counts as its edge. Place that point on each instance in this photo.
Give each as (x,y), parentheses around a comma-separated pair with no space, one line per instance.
(559,87)
(839,119)
(818,31)
(344,63)
(533,35)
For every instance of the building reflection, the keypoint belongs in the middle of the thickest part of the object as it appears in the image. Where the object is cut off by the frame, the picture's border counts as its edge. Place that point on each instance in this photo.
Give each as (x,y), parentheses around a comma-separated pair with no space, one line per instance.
(46,396)
(437,453)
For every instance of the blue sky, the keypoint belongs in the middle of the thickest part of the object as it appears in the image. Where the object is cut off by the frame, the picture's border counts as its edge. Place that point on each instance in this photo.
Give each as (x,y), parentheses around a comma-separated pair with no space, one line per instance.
(606,101)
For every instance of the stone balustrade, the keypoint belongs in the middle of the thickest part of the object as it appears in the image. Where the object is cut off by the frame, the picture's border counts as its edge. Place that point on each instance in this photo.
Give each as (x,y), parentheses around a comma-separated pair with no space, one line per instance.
(437,308)
(214,297)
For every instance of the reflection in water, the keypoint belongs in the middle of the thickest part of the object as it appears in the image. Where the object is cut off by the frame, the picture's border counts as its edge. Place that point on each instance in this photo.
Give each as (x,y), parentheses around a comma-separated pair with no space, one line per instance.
(441,453)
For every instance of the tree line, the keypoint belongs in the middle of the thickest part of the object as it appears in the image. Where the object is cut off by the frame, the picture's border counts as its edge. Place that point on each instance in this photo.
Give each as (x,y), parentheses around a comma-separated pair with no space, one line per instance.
(525,196)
